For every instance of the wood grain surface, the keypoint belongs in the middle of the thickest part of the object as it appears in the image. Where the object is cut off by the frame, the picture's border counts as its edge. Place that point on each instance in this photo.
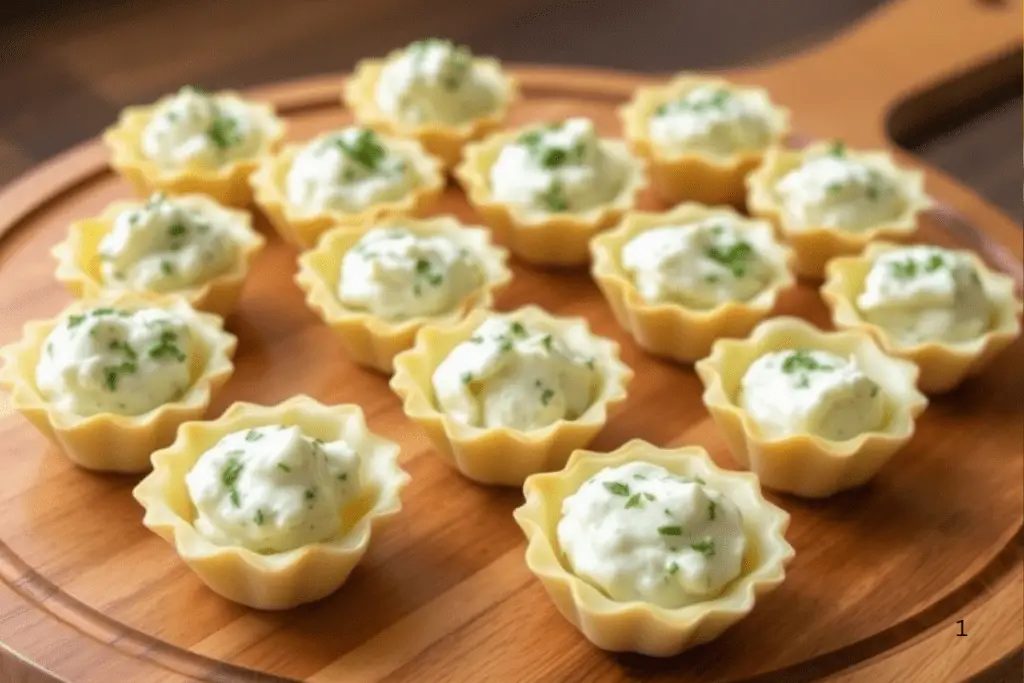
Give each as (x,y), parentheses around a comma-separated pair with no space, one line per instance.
(881,575)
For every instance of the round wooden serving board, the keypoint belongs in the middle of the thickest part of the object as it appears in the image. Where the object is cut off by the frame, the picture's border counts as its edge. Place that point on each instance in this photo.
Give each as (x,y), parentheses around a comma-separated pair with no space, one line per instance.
(881,577)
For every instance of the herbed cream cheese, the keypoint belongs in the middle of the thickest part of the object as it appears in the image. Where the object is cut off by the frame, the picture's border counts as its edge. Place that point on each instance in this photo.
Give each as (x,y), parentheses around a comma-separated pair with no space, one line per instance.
(715,120)
(272,489)
(436,81)
(514,376)
(805,391)
(197,128)
(925,293)
(699,265)
(347,171)
(396,274)
(639,532)
(116,361)
(167,245)
(557,168)
(835,190)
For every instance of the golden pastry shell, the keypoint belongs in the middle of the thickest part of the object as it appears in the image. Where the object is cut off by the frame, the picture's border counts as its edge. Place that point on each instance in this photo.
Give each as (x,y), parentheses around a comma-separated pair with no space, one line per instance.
(806,464)
(278,580)
(500,455)
(373,341)
(639,626)
(671,329)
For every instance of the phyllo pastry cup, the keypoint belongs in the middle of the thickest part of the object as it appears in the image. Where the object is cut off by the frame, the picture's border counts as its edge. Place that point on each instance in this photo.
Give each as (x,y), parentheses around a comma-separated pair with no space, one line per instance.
(107,441)
(79,262)
(546,239)
(672,329)
(500,455)
(807,464)
(639,626)
(374,341)
(443,140)
(814,246)
(274,581)
(302,229)
(693,175)
(227,184)
(943,365)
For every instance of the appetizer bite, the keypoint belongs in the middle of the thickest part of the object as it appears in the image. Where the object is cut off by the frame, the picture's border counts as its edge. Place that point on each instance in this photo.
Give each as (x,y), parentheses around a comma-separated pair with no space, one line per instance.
(701,136)
(548,188)
(109,380)
(504,395)
(651,550)
(187,245)
(377,288)
(273,507)
(677,281)
(810,412)
(353,177)
(194,142)
(827,201)
(434,91)
(943,309)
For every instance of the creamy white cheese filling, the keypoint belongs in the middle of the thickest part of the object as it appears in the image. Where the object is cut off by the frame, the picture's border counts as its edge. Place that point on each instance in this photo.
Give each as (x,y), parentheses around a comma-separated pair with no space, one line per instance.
(168,244)
(272,489)
(557,168)
(639,532)
(714,120)
(197,128)
(396,274)
(116,361)
(347,171)
(835,190)
(699,265)
(805,391)
(511,375)
(436,81)
(926,293)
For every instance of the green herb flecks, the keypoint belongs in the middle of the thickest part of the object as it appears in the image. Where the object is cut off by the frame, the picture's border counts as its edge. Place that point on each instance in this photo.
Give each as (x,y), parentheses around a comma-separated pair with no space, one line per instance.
(167,347)
(123,347)
(553,199)
(617,488)
(518,329)
(467,377)
(735,257)
(167,268)
(284,468)
(547,341)
(253,435)
(705,547)
(635,501)
(801,360)
(712,507)
(546,396)
(310,494)
(112,373)
(837,149)
(259,519)
(223,132)
(366,150)
(75,320)
(673,568)
(670,530)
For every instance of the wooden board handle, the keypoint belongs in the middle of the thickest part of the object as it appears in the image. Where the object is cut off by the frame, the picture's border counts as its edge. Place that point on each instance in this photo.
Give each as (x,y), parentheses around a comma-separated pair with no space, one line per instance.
(898,52)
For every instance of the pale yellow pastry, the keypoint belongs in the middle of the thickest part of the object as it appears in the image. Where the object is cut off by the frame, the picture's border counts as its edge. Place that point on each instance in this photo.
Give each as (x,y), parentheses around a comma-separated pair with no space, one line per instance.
(505,395)
(943,309)
(110,379)
(353,176)
(679,280)
(548,188)
(810,412)
(433,91)
(827,200)
(652,550)
(377,288)
(273,507)
(701,136)
(194,142)
(188,245)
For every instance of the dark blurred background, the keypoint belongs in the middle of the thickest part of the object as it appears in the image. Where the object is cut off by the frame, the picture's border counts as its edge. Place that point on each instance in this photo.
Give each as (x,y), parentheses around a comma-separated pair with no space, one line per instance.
(67,68)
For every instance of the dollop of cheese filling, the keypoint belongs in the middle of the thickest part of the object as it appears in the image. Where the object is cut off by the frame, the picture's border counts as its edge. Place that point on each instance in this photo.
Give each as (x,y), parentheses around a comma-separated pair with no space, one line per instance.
(348,171)
(557,168)
(196,128)
(272,489)
(167,245)
(436,81)
(639,532)
(396,274)
(926,293)
(806,391)
(834,190)
(714,120)
(116,361)
(699,265)
(510,375)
